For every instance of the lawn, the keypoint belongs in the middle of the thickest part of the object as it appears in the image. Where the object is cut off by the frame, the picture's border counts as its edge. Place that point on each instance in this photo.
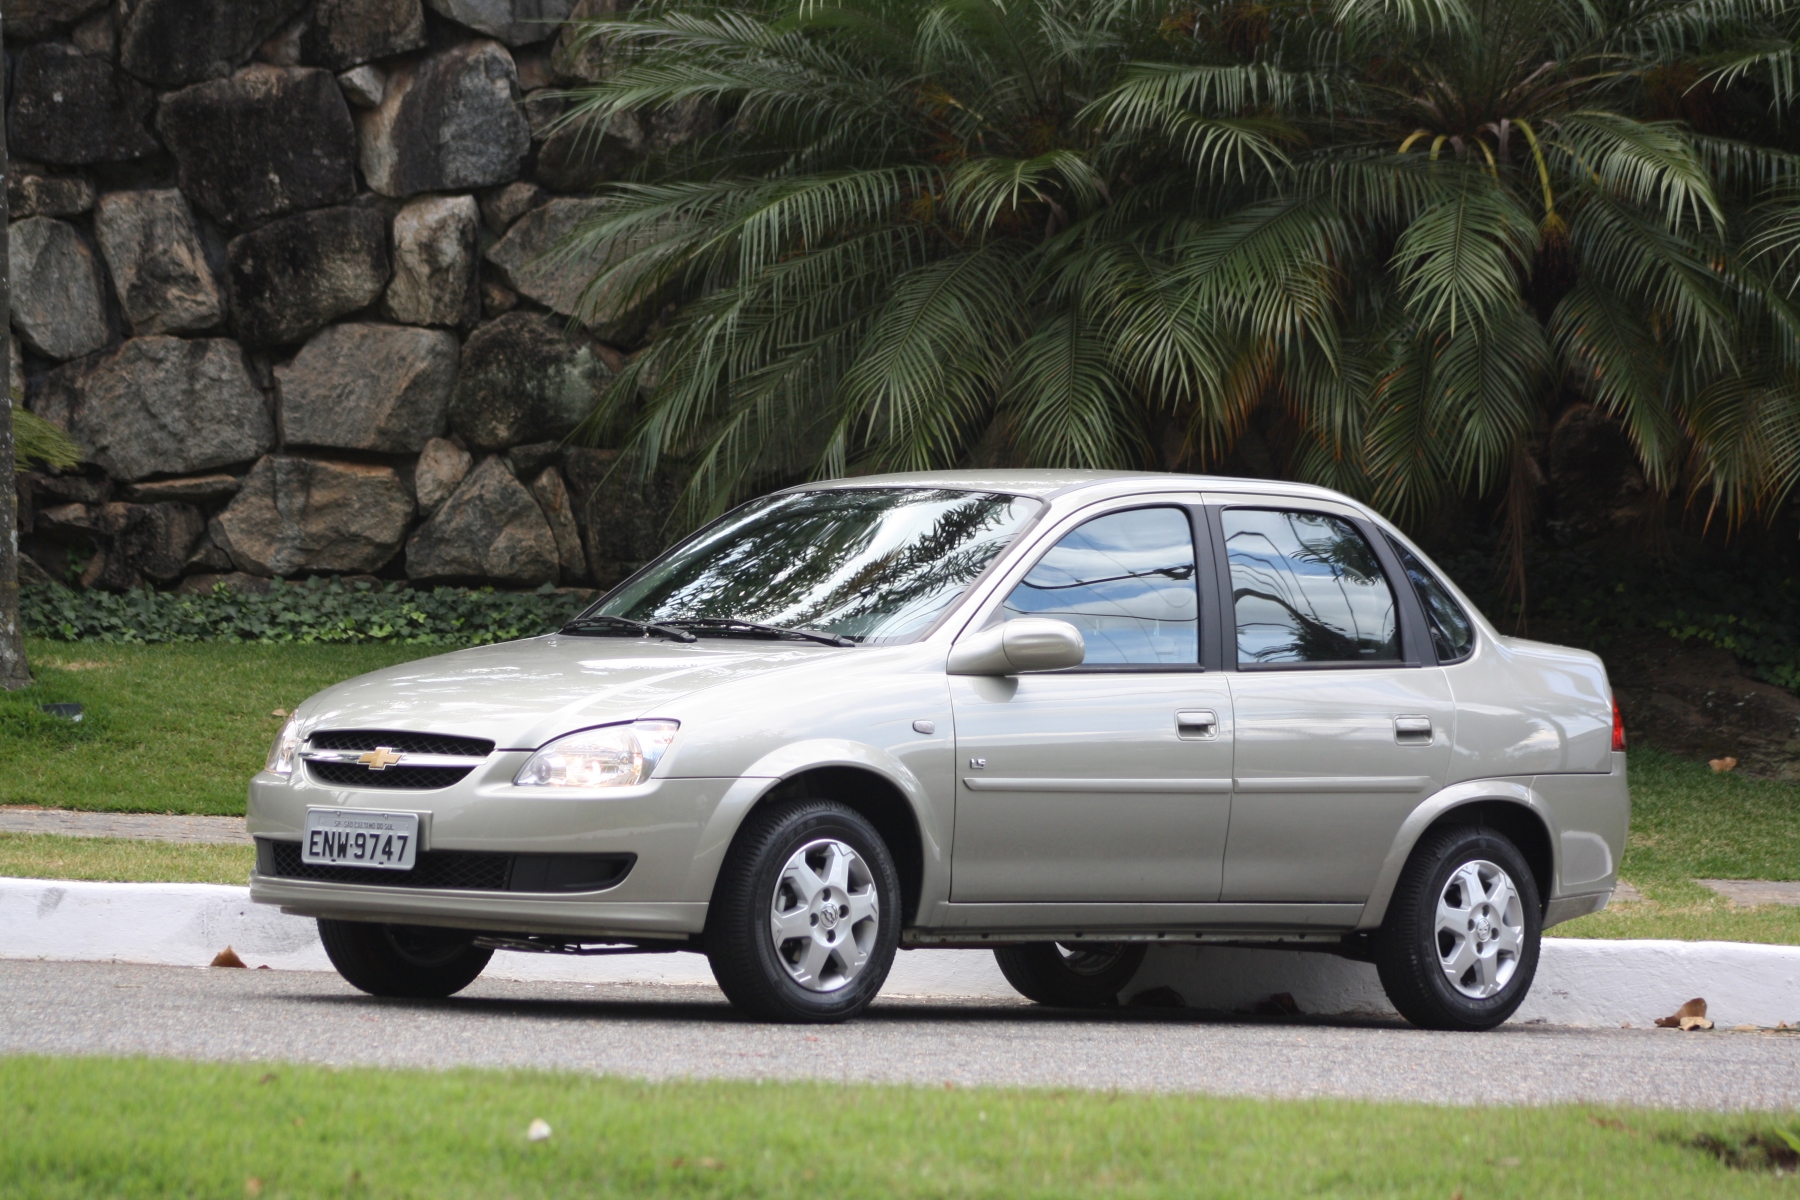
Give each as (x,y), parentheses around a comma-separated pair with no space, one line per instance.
(181,728)
(171,728)
(133,1127)
(129,860)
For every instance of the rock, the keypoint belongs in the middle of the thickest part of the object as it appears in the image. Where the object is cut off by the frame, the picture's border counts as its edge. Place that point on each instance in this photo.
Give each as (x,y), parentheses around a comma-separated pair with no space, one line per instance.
(161,406)
(542,110)
(159,267)
(71,109)
(533,264)
(72,489)
(497,299)
(623,516)
(363,86)
(384,388)
(522,380)
(534,68)
(266,141)
(57,304)
(441,468)
(233,581)
(15,374)
(553,497)
(526,461)
(210,554)
(295,274)
(155,540)
(302,514)
(445,124)
(501,207)
(577,55)
(1595,481)
(515,22)
(283,50)
(196,489)
(491,528)
(434,262)
(582,155)
(347,33)
(98,35)
(30,194)
(29,20)
(171,43)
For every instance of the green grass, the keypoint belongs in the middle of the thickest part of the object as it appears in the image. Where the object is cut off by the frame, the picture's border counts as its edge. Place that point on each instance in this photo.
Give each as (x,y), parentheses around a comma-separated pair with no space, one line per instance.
(181,728)
(132,1127)
(1689,822)
(177,729)
(128,860)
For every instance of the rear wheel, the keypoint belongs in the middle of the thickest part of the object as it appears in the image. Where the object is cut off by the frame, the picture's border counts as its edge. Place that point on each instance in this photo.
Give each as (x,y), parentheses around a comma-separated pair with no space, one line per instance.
(1083,975)
(1459,947)
(403,960)
(805,918)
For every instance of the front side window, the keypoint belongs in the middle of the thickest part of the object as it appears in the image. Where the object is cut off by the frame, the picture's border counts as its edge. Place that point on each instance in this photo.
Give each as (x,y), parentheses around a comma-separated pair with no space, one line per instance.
(1127,581)
(1452,633)
(1307,588)
(870,564)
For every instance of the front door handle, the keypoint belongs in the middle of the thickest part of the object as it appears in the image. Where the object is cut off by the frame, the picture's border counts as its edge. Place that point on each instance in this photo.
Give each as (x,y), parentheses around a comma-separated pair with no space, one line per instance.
(1412,731)
(1203,723)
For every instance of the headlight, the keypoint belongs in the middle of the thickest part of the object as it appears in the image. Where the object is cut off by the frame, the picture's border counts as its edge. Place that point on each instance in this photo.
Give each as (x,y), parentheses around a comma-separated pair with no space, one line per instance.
(611,756)
(287,745)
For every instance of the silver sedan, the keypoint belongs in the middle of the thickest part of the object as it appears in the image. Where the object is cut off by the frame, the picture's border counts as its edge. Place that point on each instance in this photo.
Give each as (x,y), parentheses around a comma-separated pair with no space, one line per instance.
(1062,715)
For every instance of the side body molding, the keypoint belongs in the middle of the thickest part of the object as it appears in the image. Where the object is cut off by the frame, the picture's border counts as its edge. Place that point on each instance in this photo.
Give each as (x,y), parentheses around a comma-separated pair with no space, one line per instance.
(795,758)
(1512,791)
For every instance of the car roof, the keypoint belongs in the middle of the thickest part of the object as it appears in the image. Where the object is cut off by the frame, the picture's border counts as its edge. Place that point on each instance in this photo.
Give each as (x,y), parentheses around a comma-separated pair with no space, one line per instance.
(1048,483)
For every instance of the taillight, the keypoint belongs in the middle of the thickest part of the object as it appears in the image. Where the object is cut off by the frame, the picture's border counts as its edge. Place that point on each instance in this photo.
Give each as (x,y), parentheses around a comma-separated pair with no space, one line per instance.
(1618,727)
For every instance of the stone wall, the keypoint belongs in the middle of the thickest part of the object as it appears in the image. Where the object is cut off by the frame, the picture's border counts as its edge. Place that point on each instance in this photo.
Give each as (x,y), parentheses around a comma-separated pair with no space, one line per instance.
(277,267)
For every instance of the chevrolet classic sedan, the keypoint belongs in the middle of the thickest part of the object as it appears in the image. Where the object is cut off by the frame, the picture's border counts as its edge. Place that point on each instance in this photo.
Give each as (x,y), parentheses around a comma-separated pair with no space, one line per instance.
(1062,716)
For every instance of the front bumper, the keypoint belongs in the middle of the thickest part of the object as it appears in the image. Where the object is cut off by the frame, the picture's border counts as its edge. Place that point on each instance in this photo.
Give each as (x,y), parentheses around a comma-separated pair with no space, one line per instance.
(660,822)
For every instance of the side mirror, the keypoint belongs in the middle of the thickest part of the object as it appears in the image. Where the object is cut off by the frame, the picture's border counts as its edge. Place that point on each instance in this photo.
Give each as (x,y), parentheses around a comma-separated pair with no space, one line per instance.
(1026,644)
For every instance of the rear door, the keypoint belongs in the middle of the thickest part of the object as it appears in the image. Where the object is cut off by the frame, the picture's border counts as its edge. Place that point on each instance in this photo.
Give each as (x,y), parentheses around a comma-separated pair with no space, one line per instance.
(1344,721)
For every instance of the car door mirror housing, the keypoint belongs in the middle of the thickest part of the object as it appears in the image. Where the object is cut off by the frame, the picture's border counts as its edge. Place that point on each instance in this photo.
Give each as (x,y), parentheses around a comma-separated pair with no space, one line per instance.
(1025,644)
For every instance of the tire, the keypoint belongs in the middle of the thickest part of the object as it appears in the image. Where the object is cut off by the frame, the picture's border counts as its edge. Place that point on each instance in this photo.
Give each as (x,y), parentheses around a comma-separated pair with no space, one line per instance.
(812,945)
(1466,906)
(1086,975)
(416,961)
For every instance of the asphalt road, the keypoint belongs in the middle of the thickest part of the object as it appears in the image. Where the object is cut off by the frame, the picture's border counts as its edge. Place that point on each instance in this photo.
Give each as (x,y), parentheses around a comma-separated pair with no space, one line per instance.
(666,1032)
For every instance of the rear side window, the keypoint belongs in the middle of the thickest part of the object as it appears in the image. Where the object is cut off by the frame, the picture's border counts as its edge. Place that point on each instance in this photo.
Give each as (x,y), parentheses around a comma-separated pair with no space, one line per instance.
(1452,633)
(1126,580)
(1306,587)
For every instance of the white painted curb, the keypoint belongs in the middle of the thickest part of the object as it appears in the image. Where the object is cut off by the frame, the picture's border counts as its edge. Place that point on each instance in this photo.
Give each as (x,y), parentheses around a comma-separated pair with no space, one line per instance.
(1579,982)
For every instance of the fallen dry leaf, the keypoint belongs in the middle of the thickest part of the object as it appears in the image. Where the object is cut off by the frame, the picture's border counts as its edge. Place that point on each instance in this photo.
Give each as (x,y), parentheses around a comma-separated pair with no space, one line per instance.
(282,712)
(253,1187)
(227,958)
(1688,1017)
(712,1164)
(1689,1024)
(538,1130)
(1722,764)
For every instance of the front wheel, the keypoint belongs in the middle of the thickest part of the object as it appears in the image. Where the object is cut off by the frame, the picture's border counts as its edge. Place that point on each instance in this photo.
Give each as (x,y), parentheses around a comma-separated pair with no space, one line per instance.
(805,918)
(403,960)
(1082,975)
(1459,947)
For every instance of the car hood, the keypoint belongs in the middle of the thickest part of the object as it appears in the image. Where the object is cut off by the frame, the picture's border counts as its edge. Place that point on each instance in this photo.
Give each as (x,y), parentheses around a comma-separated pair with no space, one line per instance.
(521,694)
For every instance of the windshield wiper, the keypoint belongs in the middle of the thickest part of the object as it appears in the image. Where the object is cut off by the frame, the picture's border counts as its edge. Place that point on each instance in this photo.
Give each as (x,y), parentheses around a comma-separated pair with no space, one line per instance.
(598,624)
(729,624)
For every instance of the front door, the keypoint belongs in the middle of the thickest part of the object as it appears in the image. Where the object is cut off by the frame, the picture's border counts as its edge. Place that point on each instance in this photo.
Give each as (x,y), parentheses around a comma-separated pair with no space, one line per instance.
(1340,730)
(1109,782)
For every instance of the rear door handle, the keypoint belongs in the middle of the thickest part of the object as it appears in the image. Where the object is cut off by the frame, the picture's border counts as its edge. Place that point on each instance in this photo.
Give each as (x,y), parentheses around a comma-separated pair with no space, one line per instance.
(1412,731)
(1203,723)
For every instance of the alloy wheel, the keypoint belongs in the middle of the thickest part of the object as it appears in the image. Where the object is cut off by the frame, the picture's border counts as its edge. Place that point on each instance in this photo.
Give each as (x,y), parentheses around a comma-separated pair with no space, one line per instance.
(824,915)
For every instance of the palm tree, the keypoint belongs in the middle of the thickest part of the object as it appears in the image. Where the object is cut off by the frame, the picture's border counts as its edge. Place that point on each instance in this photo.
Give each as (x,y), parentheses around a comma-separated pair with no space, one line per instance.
(1104,232)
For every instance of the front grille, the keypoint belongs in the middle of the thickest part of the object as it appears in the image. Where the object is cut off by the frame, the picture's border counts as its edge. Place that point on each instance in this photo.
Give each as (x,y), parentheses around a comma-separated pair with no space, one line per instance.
(459,870)
(394,739)
(357,775)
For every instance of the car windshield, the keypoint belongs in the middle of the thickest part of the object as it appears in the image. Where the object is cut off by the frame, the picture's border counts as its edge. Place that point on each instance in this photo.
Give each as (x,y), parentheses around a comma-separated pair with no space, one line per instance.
(869,564)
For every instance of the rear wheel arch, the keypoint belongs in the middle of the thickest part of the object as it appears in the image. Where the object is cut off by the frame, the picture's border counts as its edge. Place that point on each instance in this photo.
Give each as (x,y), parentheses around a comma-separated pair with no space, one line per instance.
(1521,826)
(877,800)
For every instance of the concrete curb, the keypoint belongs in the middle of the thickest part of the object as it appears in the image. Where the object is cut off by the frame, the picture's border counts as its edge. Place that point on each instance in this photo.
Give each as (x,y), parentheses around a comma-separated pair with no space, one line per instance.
(1580,981)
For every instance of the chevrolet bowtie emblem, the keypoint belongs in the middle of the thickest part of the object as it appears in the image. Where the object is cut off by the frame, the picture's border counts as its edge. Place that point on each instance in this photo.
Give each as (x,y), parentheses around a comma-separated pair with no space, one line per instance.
(379,759)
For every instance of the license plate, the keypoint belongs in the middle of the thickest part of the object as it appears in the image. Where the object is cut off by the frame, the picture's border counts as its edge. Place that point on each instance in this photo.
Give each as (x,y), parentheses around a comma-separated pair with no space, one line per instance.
(353,838)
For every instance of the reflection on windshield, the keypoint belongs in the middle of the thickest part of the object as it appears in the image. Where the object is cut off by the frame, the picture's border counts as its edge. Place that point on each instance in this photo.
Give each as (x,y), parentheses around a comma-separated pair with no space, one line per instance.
(872,564)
